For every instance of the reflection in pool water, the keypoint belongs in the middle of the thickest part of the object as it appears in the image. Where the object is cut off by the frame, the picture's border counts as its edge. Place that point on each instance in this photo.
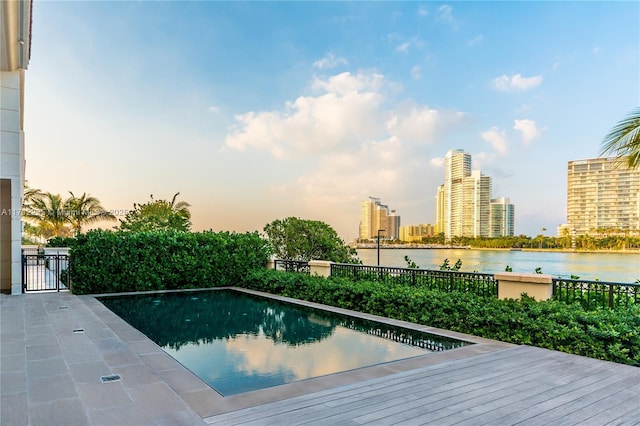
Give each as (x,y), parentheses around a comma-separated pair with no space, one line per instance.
(238,342)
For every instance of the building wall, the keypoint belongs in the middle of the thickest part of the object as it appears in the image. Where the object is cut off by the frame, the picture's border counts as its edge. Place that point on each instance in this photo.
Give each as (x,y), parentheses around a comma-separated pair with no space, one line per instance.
(457,166)
(440,216)
(502,218)
(476,200)
(12,175)
(603,194)
(415,233)
(463,202)
(375,216)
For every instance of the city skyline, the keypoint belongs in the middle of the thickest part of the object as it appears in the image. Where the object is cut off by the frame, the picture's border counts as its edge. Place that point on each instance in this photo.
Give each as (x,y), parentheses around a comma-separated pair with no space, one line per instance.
(256,111)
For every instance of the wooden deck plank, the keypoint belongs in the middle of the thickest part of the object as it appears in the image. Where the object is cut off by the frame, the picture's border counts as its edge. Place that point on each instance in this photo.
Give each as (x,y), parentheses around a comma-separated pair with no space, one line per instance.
(518,384)
(458,407)
(626,402)
(519,402)
(396,405)
(620,391)
(446,371)
(424,389)
(592,380)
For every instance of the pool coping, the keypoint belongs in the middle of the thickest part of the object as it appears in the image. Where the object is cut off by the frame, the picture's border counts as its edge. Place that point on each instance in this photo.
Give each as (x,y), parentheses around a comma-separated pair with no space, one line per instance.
(206,402)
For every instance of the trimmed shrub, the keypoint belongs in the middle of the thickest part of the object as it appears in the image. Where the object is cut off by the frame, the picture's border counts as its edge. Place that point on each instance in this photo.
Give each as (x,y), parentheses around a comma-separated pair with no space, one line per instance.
(107,262)
(611,335)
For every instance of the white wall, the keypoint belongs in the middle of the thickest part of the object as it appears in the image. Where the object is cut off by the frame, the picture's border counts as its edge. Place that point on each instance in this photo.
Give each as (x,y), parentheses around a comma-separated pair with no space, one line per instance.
(12,163)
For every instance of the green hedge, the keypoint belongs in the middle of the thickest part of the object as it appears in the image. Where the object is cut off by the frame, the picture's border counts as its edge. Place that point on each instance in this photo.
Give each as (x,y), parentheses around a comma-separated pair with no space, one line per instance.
(612,335)
(106,262)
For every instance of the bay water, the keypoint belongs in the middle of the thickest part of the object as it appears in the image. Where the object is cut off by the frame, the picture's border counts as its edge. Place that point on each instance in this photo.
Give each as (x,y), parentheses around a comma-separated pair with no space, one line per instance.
(603,266)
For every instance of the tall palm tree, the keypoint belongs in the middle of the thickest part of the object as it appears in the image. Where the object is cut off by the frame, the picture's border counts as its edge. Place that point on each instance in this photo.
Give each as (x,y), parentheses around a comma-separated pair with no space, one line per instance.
(84,210)
(623,139)
(47,213)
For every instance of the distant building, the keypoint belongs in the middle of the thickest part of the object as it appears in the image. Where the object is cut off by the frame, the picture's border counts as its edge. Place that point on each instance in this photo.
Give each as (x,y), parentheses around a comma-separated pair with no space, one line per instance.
(415,233)
(463,202)
(476,201)
(440,216)
(457,166)
(603,196)
(502,218)
(376,216)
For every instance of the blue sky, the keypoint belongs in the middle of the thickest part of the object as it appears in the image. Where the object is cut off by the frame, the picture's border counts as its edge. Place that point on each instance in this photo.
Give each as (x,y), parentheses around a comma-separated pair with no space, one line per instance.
(256,111)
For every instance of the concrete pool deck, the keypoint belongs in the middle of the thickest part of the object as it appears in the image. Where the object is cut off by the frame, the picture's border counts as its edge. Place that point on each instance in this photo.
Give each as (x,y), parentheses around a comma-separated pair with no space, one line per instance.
(55,347)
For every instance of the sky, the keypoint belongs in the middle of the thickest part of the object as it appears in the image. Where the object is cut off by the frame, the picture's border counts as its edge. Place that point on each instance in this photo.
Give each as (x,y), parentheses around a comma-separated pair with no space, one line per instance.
(256,111)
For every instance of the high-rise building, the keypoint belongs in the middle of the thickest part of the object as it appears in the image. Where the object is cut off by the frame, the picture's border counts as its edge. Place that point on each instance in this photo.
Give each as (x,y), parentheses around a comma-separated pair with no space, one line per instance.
(603,194)
(457,166)
(376,216)
(463,202)
(502,218)
(15,51)
(476,200)
(440,217)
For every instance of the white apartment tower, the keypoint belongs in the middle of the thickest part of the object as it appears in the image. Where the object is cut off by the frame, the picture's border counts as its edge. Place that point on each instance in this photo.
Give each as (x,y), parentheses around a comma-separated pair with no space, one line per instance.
(463,202)
(603,195)
(502,218)
(476,201)
(457,166)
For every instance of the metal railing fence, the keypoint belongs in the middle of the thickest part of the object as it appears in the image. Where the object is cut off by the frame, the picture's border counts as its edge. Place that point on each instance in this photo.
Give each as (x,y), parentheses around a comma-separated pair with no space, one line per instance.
(592,294)
(449,281)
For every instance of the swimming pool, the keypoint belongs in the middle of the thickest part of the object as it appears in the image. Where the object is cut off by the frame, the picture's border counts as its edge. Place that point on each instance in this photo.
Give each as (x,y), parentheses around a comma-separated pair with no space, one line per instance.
(238,342)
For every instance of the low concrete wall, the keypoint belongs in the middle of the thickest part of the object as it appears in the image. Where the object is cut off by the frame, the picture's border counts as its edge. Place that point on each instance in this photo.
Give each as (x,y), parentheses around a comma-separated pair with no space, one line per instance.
(511,285)
(271,264)
(320,268)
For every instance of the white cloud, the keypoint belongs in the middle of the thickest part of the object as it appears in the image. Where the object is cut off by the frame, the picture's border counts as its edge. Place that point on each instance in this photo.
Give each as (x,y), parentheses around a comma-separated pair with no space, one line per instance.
(416,72)
(329,61)
(516,82)
(421,124)
(214,109)
(309,125)
(346,82)
(353,139)
(529,130)
(347,114)
(437,162)
(497,139)
(423,11)
(404,47)
(445,13)
(476,40)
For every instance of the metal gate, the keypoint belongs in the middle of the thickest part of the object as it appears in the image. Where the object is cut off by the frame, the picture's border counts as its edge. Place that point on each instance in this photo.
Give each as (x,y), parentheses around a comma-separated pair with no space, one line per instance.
(45,272)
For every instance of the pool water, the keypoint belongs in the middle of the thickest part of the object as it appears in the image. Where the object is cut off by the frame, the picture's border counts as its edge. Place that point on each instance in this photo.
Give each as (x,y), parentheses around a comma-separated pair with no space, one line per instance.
(237,342)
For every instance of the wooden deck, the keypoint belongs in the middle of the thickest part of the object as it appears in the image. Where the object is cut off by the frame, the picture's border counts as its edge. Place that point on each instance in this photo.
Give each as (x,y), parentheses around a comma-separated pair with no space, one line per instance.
(518,385)
(50,374)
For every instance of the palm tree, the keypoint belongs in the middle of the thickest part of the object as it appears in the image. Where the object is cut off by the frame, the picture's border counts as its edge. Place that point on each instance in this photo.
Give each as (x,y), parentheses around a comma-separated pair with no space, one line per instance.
(47,213)
(84,210)
(623,139)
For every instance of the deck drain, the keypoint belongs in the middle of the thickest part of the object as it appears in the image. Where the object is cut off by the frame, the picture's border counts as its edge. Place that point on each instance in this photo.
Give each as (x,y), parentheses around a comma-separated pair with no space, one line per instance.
(111,378)
(63,307)
(78,330)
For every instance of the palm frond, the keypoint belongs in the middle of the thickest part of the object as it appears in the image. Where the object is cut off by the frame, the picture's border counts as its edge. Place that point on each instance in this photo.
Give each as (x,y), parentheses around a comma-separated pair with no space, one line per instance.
(623,140)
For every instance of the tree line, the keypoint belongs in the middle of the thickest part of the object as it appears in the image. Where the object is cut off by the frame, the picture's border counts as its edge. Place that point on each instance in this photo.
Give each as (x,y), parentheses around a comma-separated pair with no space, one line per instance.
(48,215)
